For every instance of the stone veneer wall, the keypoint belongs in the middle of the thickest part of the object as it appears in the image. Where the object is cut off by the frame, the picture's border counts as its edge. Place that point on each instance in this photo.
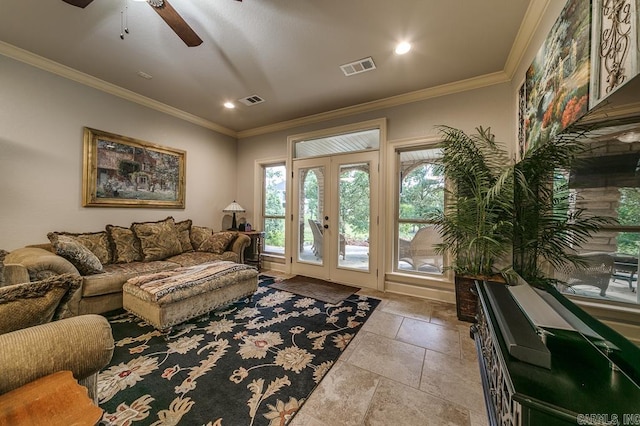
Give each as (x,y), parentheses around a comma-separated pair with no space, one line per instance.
(604,200)
(600,202)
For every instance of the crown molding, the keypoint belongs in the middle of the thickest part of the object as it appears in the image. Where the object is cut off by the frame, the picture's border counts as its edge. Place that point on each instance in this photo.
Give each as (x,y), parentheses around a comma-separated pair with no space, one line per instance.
(530,23)
(406,98)
(53,67)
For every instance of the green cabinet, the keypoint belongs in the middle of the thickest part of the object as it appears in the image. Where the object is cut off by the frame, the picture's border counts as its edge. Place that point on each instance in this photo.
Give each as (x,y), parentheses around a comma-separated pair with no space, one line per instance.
(593,376)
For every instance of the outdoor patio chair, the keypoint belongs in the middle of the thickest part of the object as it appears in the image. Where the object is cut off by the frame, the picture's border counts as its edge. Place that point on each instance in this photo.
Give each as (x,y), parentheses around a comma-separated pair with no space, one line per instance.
(420,251)
(318,235)
(597,272)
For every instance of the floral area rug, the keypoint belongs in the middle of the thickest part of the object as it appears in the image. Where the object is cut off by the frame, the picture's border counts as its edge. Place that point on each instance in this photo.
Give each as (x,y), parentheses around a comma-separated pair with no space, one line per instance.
(251,363)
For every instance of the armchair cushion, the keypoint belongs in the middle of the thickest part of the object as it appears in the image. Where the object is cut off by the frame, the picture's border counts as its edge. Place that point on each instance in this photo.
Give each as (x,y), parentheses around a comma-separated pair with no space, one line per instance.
(75,252)
(34,303)
(82,344)
(158,240)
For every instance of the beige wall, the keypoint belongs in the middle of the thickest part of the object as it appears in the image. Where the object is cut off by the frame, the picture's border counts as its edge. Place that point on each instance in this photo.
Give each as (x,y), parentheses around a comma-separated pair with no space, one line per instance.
(487,107)
(41,129)
(42,116)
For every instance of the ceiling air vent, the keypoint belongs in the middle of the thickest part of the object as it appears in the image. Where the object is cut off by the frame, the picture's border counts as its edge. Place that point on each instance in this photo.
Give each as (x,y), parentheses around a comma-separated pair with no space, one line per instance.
(357,67)
(251,100)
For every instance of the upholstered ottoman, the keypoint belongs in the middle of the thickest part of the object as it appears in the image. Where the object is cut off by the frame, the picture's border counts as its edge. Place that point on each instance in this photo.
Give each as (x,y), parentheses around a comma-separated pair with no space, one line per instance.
(167,298)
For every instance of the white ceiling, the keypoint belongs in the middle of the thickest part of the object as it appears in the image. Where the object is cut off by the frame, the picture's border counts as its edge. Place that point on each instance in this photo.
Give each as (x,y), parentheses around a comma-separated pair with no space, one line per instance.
(286,51)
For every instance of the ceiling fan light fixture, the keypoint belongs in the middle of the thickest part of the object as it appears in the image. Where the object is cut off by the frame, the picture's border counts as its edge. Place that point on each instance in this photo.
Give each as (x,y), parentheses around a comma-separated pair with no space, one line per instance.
(629,137)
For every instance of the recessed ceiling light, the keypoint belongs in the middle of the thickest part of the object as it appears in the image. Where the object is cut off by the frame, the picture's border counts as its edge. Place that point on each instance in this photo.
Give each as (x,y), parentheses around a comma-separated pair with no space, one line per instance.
(229,105)
(402,48)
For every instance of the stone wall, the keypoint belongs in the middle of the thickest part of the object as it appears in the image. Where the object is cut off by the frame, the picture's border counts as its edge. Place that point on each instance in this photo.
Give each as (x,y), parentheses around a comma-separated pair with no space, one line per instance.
(603,198)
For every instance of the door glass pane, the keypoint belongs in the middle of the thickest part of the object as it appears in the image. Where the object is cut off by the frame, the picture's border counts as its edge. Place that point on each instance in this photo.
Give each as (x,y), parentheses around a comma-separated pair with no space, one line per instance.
(311,209)
(354,216)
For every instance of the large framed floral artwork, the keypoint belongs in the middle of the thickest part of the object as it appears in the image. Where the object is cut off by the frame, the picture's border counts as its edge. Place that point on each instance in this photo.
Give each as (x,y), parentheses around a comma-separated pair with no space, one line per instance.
(557,82)
(120,171)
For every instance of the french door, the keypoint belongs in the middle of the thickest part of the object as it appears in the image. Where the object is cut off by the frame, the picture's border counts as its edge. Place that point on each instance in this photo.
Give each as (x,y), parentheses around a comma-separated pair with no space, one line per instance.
(335,218)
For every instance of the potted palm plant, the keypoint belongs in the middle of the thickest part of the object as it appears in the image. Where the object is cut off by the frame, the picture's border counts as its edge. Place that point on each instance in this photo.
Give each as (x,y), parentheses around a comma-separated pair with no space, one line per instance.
(477,223)
(495,208)
(547,230)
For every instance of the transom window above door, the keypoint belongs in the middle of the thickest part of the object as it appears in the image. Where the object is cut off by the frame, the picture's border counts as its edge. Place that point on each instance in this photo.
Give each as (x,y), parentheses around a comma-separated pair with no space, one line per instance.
(364,140)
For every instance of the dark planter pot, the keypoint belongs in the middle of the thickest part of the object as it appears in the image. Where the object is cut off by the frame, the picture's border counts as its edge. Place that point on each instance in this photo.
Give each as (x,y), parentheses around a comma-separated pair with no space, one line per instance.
(466,299)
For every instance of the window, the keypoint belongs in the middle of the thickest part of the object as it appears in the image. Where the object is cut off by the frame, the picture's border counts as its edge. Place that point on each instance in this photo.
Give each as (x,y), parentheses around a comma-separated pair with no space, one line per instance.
(421,192)
(605,183)
(273,208)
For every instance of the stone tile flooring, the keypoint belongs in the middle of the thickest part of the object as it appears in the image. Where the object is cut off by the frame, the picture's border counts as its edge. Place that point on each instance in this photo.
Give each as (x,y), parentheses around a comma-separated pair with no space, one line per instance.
(412,363)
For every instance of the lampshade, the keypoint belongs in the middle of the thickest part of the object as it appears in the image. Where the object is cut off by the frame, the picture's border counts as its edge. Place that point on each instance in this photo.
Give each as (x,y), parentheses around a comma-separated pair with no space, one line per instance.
(233,208)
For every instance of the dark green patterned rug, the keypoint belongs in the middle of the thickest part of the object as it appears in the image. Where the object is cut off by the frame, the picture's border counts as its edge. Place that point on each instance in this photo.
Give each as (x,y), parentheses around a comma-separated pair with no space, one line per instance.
(251,363)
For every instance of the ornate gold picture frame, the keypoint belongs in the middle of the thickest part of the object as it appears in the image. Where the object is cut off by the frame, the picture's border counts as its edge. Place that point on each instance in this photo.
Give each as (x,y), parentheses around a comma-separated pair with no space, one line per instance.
(124,172)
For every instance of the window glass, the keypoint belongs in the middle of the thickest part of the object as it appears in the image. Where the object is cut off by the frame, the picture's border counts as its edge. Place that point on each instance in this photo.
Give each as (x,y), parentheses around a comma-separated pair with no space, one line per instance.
(605,182)
(275,180)
(421,192)
(365,140)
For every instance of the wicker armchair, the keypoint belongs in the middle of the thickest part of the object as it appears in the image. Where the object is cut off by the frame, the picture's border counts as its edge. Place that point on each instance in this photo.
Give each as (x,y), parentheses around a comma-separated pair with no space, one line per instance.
(597,272)
(318,235)
(420,251)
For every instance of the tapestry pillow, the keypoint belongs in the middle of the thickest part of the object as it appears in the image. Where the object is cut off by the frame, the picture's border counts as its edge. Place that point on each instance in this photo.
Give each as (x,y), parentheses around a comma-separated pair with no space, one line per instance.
(3,253)
(97,242)
(34,303)
(183,229)
(199,234)
(125,246)
(158,240)
(75,252)
(218,242)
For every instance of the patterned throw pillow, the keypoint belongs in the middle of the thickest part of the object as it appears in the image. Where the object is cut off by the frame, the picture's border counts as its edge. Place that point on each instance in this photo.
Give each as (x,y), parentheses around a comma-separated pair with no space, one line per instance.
(184,235)
(218,242)
(97,242)
(125,246)
(3,253)
(158,240)
(34,303)
(199,234)
(75,252)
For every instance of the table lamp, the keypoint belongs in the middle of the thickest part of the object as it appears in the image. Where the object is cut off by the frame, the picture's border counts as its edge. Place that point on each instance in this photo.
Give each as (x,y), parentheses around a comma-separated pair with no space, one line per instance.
(233,208)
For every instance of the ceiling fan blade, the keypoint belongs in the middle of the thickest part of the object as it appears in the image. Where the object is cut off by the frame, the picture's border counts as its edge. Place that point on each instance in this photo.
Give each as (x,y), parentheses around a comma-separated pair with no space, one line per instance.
(78,3)
(177,24)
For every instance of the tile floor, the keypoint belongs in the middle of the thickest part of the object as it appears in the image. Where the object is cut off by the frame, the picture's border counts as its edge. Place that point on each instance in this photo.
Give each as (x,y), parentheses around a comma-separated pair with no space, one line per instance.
(412,363)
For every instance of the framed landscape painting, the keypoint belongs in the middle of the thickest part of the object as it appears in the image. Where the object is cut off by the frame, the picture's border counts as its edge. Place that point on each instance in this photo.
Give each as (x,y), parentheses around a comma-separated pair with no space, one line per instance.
(124,172)
(557,82)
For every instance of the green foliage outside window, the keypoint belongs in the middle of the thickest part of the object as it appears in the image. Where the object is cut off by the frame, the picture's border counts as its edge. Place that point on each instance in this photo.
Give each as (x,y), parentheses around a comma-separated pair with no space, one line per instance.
(629,215)
(275,179)
(421,195)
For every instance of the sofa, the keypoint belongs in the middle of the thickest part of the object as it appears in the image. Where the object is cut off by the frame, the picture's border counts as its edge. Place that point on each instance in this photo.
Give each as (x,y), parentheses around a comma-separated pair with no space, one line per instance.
(106,259)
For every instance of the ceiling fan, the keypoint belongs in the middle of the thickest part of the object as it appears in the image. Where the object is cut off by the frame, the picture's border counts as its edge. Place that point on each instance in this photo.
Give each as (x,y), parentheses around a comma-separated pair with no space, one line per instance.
(166,12)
